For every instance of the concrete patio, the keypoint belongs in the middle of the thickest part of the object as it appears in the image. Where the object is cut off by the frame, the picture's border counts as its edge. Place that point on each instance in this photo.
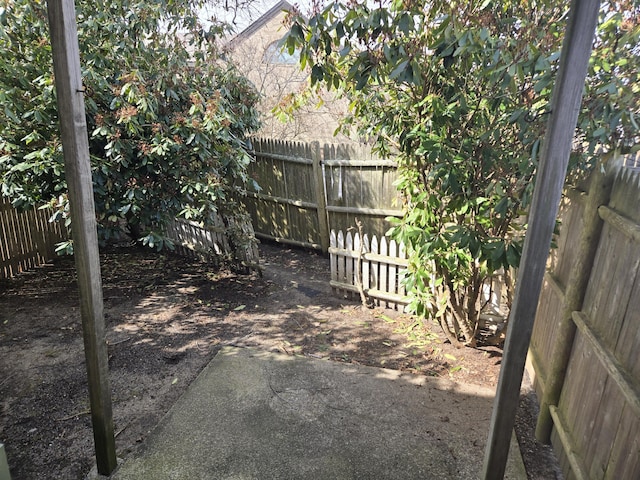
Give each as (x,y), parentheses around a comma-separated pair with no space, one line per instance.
(257,415)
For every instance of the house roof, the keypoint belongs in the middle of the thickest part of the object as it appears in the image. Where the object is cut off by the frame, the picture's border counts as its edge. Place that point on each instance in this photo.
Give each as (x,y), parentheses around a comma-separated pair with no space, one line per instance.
(279,7)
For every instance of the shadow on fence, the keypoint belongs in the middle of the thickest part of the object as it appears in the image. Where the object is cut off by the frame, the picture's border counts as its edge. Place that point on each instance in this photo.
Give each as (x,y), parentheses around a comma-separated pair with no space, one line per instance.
(27,239)
(307,190)
(585,343)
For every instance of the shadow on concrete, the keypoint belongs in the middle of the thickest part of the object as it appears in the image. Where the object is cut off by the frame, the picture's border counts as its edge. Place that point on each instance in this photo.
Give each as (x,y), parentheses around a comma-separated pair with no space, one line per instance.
(257,415)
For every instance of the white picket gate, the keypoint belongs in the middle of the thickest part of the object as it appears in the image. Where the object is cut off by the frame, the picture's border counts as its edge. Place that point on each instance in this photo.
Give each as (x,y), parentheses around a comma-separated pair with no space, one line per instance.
(213,242)
(378,266)
(197,239)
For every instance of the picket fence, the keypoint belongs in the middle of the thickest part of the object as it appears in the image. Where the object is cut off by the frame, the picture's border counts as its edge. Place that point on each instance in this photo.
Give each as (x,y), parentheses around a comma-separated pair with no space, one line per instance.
(191,239)
(213,242)
(28,239)
(375,268)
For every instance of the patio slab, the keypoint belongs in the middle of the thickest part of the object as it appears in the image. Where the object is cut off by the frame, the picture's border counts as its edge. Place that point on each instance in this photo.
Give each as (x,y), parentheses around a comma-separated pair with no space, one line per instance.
(251,414)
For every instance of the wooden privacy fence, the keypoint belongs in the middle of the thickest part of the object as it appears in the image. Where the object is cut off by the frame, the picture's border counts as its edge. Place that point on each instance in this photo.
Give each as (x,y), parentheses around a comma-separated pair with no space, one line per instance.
(586,337)
(27,239)
(371,267)
(306,190)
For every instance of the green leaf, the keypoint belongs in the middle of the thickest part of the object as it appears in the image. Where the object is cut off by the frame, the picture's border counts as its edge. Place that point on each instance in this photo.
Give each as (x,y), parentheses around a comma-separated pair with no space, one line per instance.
(513,256)
(11,115)
(515,115)
(498,251)
(405,24)
(317,73)
(399,70)
(501,206)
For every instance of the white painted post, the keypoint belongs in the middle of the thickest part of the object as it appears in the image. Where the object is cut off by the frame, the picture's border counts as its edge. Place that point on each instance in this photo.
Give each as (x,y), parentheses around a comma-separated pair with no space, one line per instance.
(350,261)
(383,268)
(402,271)
(357,263)
(375,268)
(366,275)
(333,258)
(393,275)
(341,259)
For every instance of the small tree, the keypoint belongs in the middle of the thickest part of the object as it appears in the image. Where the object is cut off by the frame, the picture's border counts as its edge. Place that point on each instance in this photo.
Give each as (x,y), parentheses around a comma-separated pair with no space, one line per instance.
(167,119)
(461,90)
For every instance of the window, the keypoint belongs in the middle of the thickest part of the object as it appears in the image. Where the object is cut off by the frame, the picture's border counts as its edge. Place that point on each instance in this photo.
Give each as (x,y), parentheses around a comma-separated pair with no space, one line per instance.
(276,54)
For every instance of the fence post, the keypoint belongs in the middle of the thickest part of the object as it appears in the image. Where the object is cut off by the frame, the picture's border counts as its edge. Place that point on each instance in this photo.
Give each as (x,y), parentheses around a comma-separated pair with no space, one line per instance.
(550,177)
(323,221)
(600,186)
(73,129)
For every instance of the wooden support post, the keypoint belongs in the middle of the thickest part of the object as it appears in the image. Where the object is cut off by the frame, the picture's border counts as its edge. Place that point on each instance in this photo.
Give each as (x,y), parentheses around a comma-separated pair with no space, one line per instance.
(565,106)
(321,203)
(73,127)
(600,186)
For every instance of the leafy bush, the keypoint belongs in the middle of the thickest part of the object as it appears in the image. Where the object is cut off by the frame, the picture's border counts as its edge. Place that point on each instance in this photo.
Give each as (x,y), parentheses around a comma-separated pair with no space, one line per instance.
(461,90)
(167,118)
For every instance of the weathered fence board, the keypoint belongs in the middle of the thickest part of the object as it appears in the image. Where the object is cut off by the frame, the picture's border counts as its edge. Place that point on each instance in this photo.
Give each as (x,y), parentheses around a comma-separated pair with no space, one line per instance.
(305,190)
(379,266)
(359,185)
(625,461)
(285,205)
(571,229)
(27,239)
(598,407)
(545,332)
(612,278)
(213,242)
(372,268)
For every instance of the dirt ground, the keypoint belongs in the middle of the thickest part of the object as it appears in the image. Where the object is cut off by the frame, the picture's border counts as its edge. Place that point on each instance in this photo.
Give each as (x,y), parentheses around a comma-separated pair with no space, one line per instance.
(166,318)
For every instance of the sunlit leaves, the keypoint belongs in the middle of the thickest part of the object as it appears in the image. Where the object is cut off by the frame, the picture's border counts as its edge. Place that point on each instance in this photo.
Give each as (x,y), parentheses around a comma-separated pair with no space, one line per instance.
(461,91)
(167,119)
